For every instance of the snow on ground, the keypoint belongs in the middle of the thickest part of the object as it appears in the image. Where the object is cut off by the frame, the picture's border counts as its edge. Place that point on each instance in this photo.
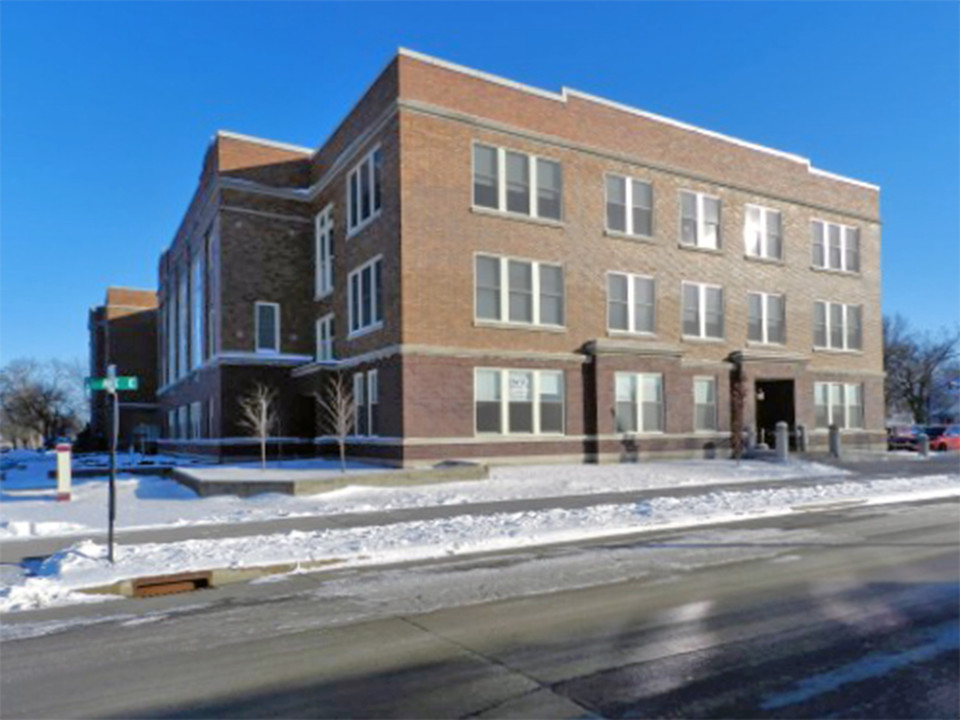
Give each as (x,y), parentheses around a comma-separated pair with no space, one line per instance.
(84,565)
(29,507)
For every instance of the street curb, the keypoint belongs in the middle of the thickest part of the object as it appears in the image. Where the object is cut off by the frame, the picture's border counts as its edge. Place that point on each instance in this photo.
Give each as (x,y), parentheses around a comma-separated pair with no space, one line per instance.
(831,505)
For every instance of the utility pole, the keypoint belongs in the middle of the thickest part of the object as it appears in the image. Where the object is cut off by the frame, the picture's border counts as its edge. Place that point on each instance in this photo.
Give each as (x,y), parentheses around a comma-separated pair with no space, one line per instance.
(111,387)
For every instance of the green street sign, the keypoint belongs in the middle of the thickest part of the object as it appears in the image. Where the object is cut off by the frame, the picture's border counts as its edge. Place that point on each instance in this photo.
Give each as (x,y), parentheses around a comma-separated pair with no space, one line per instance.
(127,383)
(122,383)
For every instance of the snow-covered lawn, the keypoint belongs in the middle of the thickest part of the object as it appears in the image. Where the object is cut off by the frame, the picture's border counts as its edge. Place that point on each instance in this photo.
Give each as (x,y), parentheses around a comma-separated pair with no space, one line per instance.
(29,507)
(84,565)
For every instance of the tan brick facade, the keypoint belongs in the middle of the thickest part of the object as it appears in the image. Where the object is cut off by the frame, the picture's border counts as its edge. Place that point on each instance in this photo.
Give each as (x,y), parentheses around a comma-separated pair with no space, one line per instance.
(257,202)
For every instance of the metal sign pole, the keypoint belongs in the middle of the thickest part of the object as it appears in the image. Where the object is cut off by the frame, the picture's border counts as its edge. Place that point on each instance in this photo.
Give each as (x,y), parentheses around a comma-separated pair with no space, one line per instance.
(114,430)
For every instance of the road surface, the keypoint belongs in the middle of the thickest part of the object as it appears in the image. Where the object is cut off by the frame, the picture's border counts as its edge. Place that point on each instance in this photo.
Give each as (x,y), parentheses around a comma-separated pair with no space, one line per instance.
(849,613)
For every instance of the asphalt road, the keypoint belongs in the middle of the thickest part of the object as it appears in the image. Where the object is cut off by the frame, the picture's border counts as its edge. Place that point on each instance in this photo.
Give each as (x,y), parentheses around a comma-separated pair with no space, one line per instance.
(845,614)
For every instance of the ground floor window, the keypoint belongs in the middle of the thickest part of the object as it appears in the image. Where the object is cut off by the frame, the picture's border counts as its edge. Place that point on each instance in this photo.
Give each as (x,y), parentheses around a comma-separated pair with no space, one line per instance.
(704,404)
(366,403)
(196,421)
(639,402)
(519,402)
(171,424)
(183,418)
(838,404)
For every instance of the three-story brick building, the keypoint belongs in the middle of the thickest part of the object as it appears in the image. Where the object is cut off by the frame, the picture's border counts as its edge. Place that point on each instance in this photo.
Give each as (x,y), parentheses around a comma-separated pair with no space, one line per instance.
(510,273)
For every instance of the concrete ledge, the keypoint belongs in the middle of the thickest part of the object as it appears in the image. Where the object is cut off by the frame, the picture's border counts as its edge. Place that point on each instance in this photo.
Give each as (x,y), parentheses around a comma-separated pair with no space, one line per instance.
(307,482)
(159,470)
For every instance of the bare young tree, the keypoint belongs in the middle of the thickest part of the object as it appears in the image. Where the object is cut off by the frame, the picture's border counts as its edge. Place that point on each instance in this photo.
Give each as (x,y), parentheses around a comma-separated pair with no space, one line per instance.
(337,412)
(915,364)
(258,415)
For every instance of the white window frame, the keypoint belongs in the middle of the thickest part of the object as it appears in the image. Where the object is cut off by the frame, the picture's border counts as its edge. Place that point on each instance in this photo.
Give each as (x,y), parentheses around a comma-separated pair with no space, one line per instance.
(832,389)
(505,402)
(631,304)
(365,164)
(765,236)
(196,420)
(638,401)
(504,318)
(197,311)
(829,327)
(502,183)
(765,317)
(376,291)
(324,347)
(702,310)
(628,200)
(843,246)
(716,404)
(372,398)
(256,327)
(701,222)
(323,256)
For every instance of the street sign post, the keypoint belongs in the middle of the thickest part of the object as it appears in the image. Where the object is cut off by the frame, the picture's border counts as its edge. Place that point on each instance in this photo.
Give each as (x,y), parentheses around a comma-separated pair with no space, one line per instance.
(113,384)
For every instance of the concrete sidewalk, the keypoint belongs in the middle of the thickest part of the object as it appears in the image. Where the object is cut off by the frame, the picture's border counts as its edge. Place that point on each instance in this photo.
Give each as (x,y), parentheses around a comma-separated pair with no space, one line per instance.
(13,551)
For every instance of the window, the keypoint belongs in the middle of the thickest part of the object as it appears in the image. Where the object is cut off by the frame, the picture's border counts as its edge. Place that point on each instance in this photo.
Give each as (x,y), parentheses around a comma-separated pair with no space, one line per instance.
(838,404)
(629,206)
(171,424)
(183,422)
(837,326)
(364,192)
(196,421)
(211,425)
(835,247)
(704,404)
(183,322)
(699,220)
(171,302)
(519,402)
(638,403)
(762,234)
(631,303)
(267,321)
(702,311)
(323,277)
(373,402)
(325,334)
(519,291)
(197,311)
(360,426)
(766,318)
(365,307)
(517,182)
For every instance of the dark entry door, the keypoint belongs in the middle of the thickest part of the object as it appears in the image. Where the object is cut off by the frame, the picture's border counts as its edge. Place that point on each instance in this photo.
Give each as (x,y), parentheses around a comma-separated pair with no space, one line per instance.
(775,402)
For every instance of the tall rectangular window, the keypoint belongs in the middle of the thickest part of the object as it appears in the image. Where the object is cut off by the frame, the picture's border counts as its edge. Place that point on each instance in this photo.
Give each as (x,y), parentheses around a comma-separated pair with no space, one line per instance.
(766,319)
(837,326)
(171,329)
(631,303)
(629,206)
(197,311)
(364,194)
(639,402)
(762,233)
(838,404)
(517,182)
(183,322)
(365,305)
(519,291)
(323,239)
(699,220)
(704,404)
(702,310)
(325,334)
(373,402)
(835,247)
(267,321)
(519,402)
(360,426)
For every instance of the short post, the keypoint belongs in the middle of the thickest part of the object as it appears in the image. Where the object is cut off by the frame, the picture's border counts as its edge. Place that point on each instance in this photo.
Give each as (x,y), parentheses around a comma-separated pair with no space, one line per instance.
(782,434)
(835,448)
(923,444)
(751,438)
(801,438)
(63,472)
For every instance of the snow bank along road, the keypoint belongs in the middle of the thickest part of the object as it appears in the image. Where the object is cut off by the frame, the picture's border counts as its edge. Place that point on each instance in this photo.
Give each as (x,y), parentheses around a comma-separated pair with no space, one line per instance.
(851,613)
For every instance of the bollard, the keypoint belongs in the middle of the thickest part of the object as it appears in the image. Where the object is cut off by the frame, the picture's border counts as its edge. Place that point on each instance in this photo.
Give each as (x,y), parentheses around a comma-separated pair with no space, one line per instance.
(782,435)
(835,448)
(923,444)
(63,472)
(801,438)
(751,438)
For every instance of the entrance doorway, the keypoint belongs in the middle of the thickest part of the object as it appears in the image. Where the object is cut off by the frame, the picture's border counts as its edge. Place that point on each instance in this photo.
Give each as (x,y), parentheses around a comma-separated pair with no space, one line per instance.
(775,403)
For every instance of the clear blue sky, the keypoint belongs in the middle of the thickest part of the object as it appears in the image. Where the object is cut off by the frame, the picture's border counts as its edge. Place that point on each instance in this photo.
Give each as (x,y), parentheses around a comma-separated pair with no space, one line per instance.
(107,109)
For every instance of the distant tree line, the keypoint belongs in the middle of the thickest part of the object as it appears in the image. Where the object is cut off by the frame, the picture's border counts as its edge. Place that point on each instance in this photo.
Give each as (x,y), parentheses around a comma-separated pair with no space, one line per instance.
(922,372)
(41,401)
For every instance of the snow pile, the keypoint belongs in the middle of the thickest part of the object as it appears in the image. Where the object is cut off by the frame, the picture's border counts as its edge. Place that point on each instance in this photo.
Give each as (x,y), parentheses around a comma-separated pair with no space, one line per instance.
(84,565)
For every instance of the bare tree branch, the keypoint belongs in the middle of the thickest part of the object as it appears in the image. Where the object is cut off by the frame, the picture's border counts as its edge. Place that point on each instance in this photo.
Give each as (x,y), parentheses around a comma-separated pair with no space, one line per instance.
(258,415)
(337,412)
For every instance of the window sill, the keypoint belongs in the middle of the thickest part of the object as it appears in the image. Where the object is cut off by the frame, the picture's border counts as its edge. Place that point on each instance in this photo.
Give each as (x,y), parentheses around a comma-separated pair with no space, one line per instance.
(834,271)
(764,260)
(638,334)
(506,437)
(770,345)
(697,248)
(505,325)
(356,229)
(618,235)
(630,434)
(365,331)
(836,351)
(507,215)
(322,296)
(266,351)
(704,340)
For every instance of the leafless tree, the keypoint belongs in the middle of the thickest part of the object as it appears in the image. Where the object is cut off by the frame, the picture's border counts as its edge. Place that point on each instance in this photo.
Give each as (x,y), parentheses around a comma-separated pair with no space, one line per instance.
(916,365)
(337,412)
(41,399)
(258,415)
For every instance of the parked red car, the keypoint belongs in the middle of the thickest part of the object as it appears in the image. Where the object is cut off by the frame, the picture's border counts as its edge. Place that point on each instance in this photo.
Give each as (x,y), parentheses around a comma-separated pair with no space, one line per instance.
(948,439)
